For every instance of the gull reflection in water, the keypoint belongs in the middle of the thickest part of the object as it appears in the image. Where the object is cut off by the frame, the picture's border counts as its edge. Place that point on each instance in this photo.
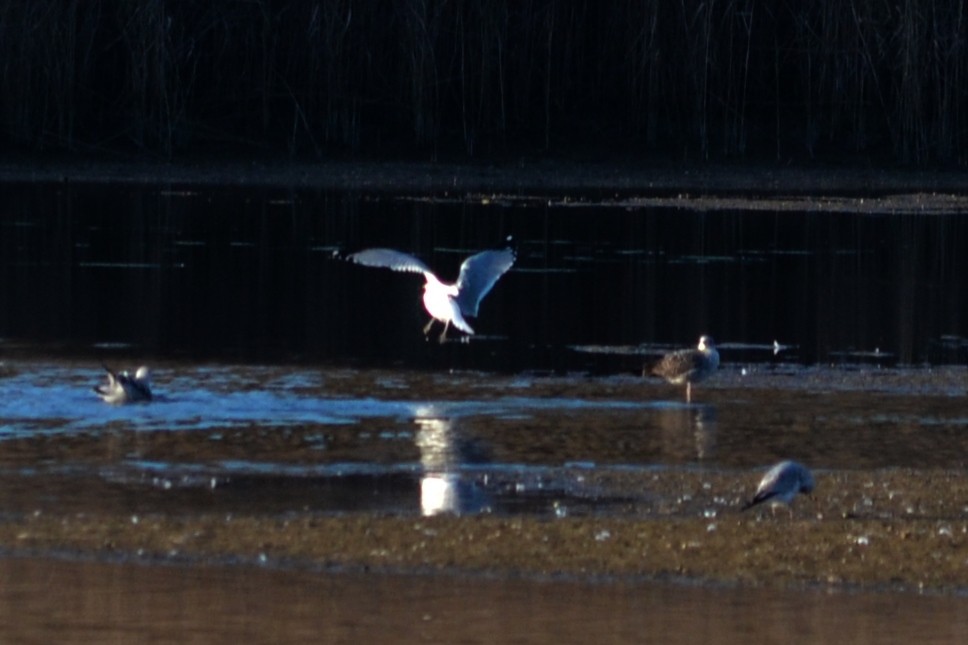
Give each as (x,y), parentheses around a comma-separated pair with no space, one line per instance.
(688,432)
(442,453)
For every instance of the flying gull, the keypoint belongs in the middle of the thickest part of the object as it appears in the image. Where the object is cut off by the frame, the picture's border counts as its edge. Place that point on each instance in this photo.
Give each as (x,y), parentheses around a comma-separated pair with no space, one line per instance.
(448,303)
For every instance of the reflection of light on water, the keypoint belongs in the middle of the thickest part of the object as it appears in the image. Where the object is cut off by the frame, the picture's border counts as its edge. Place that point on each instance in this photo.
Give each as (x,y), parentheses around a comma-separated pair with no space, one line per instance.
(441,488)
(704,431)
(688,431)
(435,441)
(438,494)
(438,485)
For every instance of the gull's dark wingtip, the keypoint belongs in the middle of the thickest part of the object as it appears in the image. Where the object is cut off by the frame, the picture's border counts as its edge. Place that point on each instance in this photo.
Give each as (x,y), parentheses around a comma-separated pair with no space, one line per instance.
(750,504)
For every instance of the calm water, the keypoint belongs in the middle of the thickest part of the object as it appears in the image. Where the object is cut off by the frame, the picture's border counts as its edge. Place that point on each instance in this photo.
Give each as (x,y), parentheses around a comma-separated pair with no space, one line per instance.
(250,275)
(290,381)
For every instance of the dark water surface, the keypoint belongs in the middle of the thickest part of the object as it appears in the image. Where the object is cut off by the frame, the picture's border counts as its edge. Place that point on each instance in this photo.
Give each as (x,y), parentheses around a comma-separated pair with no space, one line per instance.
(289,382)
(249,274)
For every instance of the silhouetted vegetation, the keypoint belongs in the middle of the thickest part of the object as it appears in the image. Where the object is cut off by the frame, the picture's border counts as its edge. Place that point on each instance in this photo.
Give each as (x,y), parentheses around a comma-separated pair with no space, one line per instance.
(689,80)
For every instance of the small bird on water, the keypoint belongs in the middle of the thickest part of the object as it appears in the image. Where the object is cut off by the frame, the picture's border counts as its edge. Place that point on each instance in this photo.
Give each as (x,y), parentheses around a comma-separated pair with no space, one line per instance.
(447,303)
(122,387)
(689,365)
(781,484)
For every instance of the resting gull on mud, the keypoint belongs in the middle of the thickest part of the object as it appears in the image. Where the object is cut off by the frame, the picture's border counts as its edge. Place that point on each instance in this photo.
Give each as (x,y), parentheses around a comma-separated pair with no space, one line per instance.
(122,387)
(689,365)
(448,303)
(781,484)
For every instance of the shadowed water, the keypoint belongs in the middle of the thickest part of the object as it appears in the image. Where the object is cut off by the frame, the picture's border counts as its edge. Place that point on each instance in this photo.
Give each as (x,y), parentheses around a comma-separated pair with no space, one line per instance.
(250,275)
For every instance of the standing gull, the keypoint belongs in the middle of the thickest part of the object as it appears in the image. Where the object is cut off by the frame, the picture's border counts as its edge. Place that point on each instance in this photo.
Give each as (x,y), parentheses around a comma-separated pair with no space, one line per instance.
(121,387)
(448,303)
(689,365)
(781,484)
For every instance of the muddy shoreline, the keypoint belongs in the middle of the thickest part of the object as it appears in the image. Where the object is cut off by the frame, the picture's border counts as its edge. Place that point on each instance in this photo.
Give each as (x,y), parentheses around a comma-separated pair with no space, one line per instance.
(867,526)
(883,530)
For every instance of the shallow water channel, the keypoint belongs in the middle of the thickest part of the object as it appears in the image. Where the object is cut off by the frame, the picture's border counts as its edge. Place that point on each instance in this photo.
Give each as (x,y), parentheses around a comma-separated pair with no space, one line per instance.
(289,384)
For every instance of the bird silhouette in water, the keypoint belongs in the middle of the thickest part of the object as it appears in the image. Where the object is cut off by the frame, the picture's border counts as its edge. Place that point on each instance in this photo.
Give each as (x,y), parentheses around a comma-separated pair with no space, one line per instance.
(689,365)
(447,303)
(781,484)
(122,387)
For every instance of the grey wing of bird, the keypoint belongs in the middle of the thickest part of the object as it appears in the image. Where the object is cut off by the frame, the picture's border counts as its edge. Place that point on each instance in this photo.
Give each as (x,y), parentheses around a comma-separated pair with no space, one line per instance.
(389,259)
(478,274)
(797,476)
(775,482)
(781,478)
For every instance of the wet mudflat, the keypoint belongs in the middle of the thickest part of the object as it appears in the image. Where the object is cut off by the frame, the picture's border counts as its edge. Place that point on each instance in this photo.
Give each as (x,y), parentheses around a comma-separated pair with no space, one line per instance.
(515,475)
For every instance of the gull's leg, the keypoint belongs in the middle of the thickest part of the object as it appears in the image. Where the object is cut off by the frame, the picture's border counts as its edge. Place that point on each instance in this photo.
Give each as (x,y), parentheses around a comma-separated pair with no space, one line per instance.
(688,392)
(428,326)
(443,334)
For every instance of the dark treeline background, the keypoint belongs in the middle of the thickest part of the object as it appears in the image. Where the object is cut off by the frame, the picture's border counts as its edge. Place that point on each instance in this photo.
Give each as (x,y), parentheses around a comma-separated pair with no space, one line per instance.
(874,80)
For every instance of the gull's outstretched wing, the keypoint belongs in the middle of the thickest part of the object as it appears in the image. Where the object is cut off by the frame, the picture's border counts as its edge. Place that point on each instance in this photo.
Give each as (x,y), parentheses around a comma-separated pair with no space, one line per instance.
(478,274)
(107,388)
(389,259)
